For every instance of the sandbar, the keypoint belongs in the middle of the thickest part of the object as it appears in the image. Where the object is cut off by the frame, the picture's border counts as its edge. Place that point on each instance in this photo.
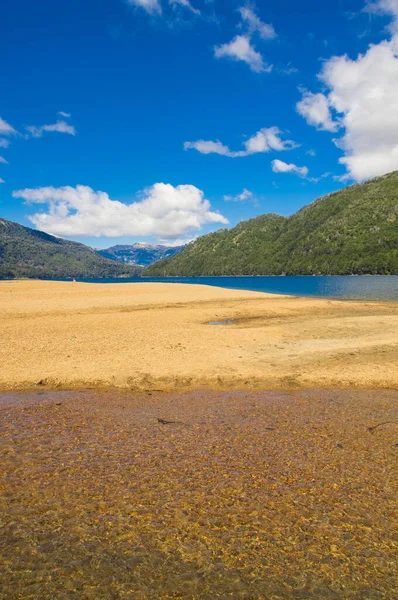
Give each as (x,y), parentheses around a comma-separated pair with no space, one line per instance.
(178,337)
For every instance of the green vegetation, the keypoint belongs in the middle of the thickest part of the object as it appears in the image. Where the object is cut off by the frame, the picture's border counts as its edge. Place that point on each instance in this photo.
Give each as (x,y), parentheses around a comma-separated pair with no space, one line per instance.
(26,252)
(352,231)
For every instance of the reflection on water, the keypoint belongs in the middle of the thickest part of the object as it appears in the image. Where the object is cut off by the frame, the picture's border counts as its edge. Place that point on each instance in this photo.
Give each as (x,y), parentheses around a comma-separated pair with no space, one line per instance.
(225,322)
(361,287)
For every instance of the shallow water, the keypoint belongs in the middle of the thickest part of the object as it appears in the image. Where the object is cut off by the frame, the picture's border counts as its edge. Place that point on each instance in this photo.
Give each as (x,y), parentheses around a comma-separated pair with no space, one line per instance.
(350,287)
(243,495)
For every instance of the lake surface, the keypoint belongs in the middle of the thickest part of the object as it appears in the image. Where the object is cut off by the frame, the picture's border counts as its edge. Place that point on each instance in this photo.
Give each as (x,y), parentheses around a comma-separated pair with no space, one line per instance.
(350,287)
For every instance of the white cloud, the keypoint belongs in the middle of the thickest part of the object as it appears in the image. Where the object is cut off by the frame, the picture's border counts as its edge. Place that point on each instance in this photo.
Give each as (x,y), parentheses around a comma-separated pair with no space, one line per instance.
(240,48)
(4,143)
(264,140)
(64,114)
(59,127)
(209,147)
(311,152)
(5,128)
(164,211)
(255,24)
(185,4)
(3,160)
(151,6)
(363,93)
(278,166)
(2,180)
(176,242)
(385,7)
(316,111)
(242,197)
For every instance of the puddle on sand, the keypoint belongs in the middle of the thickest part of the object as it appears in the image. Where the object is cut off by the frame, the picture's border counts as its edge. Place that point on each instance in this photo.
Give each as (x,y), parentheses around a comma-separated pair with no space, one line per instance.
(223,322)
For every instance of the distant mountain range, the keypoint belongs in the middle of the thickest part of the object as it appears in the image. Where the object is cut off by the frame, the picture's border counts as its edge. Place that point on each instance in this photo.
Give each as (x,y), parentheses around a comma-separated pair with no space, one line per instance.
(352,231)
(139,254)
(25,252)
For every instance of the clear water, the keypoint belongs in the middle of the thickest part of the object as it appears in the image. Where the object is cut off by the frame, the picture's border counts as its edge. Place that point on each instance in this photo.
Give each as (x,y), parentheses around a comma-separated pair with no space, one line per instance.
(350,287)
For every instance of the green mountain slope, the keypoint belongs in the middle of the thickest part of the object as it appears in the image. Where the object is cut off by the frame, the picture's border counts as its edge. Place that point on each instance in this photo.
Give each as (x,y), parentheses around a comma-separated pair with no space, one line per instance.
(352,231)
(26,252)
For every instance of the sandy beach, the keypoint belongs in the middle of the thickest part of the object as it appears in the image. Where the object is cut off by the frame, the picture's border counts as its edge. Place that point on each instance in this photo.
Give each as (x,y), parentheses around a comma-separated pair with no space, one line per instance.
(229,491)
(156,336)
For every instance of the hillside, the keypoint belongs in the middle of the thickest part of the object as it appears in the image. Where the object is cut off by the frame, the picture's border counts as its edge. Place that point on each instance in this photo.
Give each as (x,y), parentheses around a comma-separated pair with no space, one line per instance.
(25,252)
(139,254)
(352,231)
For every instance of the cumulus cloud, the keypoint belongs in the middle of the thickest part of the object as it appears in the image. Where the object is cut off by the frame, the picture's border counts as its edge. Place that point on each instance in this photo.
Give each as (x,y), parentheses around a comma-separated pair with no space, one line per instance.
(3,160)
(163,210)
(4,143)
(363,94)
(2,180)
(241,49)
(255,25)
(185,4)
(5,128)
(278,166)
(59,127)
(64,114)
(316,111)
(244,196)
(264,140)
(151,6)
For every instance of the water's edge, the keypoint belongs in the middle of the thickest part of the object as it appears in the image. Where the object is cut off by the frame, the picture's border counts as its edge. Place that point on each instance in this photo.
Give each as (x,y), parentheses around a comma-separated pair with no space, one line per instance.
(347,287)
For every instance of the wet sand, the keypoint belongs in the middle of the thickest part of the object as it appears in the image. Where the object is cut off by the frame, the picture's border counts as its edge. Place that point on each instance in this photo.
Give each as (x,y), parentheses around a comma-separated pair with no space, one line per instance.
(149,336)
(260,495)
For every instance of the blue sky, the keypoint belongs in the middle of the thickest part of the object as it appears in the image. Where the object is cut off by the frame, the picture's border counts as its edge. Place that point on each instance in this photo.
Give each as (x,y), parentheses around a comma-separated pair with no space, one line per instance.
(161,120)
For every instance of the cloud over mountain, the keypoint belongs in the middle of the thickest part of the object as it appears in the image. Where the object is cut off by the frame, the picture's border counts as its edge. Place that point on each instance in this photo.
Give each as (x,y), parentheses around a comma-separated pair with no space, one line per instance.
(163,210)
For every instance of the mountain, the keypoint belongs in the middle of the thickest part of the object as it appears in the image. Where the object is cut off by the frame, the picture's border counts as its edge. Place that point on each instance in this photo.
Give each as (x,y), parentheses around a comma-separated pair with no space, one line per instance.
(25,252)
(139,254)
(352,231)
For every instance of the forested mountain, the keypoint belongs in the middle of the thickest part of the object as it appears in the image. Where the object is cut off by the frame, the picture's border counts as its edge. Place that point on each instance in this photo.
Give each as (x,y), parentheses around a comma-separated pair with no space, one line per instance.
(25,252)
(352,231)
(139,254)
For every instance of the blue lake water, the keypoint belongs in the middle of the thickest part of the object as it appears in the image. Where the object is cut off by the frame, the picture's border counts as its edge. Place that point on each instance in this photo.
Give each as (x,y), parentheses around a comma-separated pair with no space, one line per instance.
(350,287)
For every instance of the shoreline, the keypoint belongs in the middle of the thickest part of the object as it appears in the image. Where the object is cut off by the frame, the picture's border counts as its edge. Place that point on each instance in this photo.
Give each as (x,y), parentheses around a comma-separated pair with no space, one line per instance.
(158,336)
(180,387)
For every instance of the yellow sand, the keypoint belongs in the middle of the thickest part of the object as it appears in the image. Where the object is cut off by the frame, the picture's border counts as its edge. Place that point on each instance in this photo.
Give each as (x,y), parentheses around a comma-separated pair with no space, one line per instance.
(157,336)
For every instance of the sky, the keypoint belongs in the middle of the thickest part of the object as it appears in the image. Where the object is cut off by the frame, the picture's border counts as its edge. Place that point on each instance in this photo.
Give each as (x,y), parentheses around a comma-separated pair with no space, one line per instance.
(157,121)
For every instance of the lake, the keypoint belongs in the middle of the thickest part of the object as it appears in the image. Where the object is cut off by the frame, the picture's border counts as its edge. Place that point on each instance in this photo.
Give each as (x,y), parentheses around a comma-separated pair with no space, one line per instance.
(349,287)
